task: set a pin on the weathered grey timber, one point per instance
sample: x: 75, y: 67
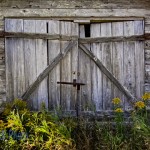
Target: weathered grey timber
x: 96, y: 76
x: 102, y: 4
x: 80, y: 11
x: 108, y: 73
x: 107, y: 61
x: 117, y: 57
x: 41, y: 54
x: 139, y: 55
x: 66, y: 29
x: 78, y: 63
x: 54, y: 49
x: 15, y: 59
x: 112, y: 39
x: 85, y: 76
x: 46, y: 71
x: 77, y: 13
x: 39, y: 36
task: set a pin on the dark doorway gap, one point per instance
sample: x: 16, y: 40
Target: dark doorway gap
x: 87, y: 28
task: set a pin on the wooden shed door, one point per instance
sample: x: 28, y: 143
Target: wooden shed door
x: 27, y: 58
x: 124, y: 59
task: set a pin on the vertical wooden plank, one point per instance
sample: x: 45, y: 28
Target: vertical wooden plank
x: 96, y: 74
x: 129, y: 61
x: 8, y: 58
x: 74, y: 66
x: 85, y: 76
x: 41, y: 62
x: 15, y: 77
x: 54, y: 76
x: 139, y: 59
x: 117, y: 57
x: 65, y: 29
x: 30, y: 60
x: 107, y: 61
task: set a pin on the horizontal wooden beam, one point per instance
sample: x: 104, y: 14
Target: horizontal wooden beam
x: 105, y: 13
x: 115, y: 39
x: 131, y: 98
x: 40, y: 78
x: 37, y: 36
x: 81, y: 40
x: 80, y: 19
x: 85, y: 21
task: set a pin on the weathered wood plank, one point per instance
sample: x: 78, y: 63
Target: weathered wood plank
x: 30, y: 62
x: 129, y: 61
x: 40, y: 78
x: 65, y: 37
x: 117, y: 58
x: 131, y: 98
x: 147, y: 20
x: 147, y: 44
x: 66, y: 13
x: 20, y: 74
x: 139, y: 59
x: 41, y: 62
x: 2, y: 41
x: 147, y: 54
x: 107, y: 61
x: 147, y: 73
x: 51, y: 4
x: 147, y: 27
x: 85, y: 76
x: 2, y: 62
x: 37, y: 36
x: 8, y: 53
x: 147, y: 87
x: 96, y: 74
x: 2, y: 56
x: 54, y: 75
x: 15, y: 58
x: 74, y: 66
x: 117, y: 38
x: 2, y: 72
x: 86, y: 21
x: 65, y: 29
x: 2, y: 83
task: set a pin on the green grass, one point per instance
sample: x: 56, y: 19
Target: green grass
x: 22, y: 129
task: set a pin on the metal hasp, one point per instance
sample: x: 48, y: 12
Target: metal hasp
x: 75, y: 84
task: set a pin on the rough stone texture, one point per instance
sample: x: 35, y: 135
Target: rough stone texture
x: 2, y: 66
x: 75, y: 4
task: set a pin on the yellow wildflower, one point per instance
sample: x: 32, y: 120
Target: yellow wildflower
x: 119, y: 110
x: 140, y: 104
x: 146, y: 96
x: 116, y: 101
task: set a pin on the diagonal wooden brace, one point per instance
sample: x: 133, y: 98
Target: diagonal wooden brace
x: 131, y: 98
x: 40, y: 78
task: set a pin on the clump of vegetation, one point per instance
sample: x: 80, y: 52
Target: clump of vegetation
x: 21, y: 129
